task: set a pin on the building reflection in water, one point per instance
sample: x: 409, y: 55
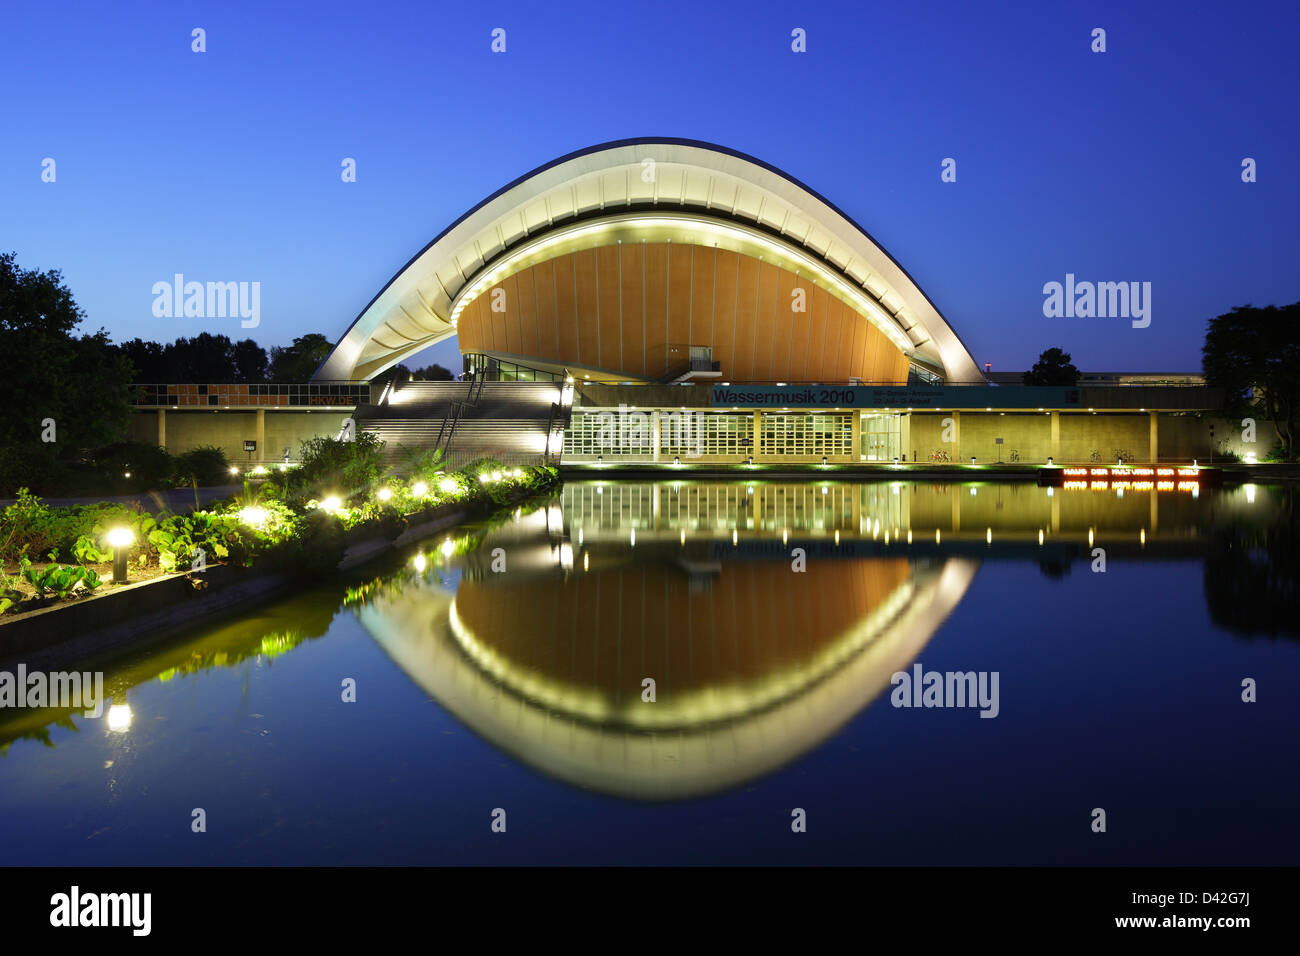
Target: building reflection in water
x: 691, y: 585
x: 753, y: 664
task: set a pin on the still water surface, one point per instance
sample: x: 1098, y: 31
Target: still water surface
x: 524, y: 690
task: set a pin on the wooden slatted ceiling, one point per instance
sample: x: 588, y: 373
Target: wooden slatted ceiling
x: 619, y: 307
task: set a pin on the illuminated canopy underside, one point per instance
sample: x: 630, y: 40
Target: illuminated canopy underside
x: 647, y: 191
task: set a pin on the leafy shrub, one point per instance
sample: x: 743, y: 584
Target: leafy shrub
x: 87, y: 551
x: 24, y: 523
x: 30, y: 524
x: 316, y: 549
x: 134, y: 466
x: 391, y: 522
x: 333, y: 466
x: 422, y: 464
x: 180, y: 538
x: 204, y: 466
x: 1277, y: 452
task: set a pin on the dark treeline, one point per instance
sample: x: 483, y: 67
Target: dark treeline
x: 215, y: 358
x: 208, y: 358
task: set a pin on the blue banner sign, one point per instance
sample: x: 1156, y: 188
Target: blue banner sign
x: 973, y: 397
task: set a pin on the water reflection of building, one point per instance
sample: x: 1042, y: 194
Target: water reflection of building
x: 886, y: 517
x: 690, y: 584
x: 753, y: 664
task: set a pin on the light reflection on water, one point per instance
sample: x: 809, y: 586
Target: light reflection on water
x: 538, y: 634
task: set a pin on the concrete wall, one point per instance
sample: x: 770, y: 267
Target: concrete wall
x: 229, y: 429
x: 1181, y: 436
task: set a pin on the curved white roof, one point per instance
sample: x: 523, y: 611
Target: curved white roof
x: 695, y: 182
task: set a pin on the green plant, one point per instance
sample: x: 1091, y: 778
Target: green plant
x: 333, y: 466
x: 135, y: 466
x: 180, y: 538
x: 87, y: 551
x: 421, y: 464
x: 56, y: 579
x: 21, y: 522
x: 316, y: 549
x: 1277, y: 452
x: 204, y: 466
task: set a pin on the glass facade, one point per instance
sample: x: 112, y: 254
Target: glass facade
x: 807, y: 435
x: 499, y: 371
x: 881, y: 437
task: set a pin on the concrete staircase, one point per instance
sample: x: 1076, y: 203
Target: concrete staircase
x: 508, y: 421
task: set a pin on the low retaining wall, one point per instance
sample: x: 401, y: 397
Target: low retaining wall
x: 69, y: 632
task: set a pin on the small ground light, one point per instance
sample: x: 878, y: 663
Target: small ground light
x: 126, y: 474
x: 331, y: 504
x: 676, y: 461
x: 1049, y: 459
x: 600, y: 459
x: 120, y: 540
x: 254, y: 516
x: 234, y: 470
x: 419, y: 489
x: 384, y: 494
x: 823, y: 461
x: 972, y: 459
x: 448, y: 548
x: 496, y: 476
x: 749, y: 460
x: 448, y: 486
x: 421, y: 563
x: 518, y: 473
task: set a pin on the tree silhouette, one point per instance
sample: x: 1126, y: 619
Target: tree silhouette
x: 1052, y: 368
x: 1254, y: 356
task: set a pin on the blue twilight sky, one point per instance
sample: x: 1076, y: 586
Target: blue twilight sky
x: 225, y: 165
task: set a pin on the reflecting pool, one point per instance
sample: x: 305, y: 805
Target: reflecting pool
x: 667, y: 672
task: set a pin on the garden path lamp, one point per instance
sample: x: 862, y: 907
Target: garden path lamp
x: 120, y: 540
